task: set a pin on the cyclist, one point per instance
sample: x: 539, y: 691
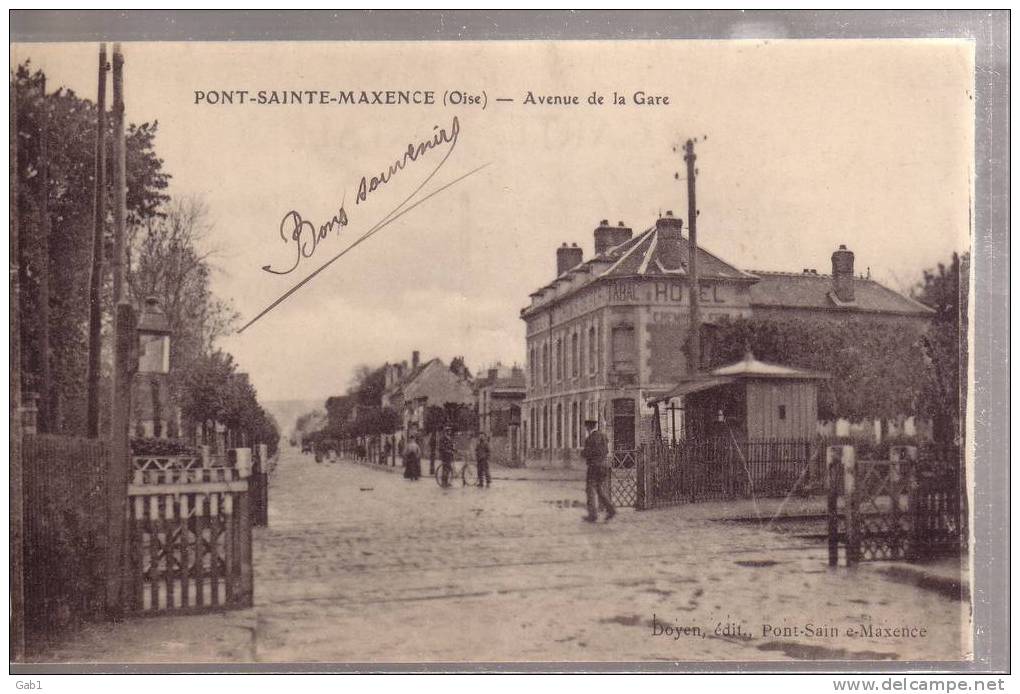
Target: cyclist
x: 446, y: 453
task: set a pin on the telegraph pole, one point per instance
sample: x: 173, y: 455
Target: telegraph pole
x: 694, y: 340
x: 119, y: 175
x: 125, y: 359
x: 98, y: 235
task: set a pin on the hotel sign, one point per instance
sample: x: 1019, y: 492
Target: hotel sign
x: 662, y: 292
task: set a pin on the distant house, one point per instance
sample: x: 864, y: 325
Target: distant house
x: 498, y: 399
x: 409, y: 390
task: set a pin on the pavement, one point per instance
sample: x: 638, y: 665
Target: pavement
x: 361, y: 566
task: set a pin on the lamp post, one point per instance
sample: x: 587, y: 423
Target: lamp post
x: 154, y: 356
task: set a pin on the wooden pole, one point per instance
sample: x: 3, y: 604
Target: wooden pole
x: 46, y: 414
x: 692, y: 266
x: 119, y: 176
x: 833, y: 508
x: 125, y: 340
x: 96, y: 276
x: 16, y: 530
x: 124, y: 366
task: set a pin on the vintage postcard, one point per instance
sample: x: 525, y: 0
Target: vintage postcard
x: 480, y: 352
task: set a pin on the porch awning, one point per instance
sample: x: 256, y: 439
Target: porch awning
x: 694, y: 385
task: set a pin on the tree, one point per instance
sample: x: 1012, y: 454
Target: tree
x: 338, y: 412
x: 946, y: 290
x: 435, y: 419
x: 876, y: 367
x: 205, y: 390
x: 67, y: 258
x: 165, y: 260
x: 459, y: 416
x: 388, y: 421
x: 367, y: 385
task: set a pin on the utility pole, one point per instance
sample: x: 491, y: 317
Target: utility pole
x: 46, y: 409
x: 125, y: 361
x: 694, y: 340
x: 98, y: 236
x: 119, y: 176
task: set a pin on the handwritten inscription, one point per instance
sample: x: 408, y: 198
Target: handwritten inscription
x: 307, y: 237
x: 411, y: 154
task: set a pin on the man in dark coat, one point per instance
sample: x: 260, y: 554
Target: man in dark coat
x: 482, y: 455
x: 596, y: 452
x: 447, y: 451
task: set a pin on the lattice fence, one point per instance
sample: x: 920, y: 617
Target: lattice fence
x: 900, y: 510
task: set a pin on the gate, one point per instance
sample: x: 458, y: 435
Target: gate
x: 189, y: 534
x: 623, y: 477
x: 900, y: 510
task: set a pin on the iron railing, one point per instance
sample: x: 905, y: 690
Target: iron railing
x: 723, y: 468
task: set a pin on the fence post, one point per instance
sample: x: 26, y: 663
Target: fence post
x: 833, y: 512
x: 641, y: 491
x: 849, y: 460
x: 244, y: 523
x: 125, y: 363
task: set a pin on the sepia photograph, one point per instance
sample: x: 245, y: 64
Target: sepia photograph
x: 399, y: 354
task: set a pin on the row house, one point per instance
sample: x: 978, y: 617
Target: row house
x: 498, y: 398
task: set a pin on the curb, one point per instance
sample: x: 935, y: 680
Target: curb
x: 952, y: 588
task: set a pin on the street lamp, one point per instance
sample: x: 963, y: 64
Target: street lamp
x: 154, y: 357
x: 153, y: 339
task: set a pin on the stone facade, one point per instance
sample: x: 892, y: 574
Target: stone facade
x: 610, y: 333
x: 498, y: 398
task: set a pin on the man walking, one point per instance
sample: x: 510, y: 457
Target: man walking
x: 482, y: 454
x: 596, y: 452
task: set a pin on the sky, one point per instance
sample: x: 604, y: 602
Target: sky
x: 803, y: 145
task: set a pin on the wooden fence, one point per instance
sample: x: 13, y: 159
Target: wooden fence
x: 189, y: 533
x: 66, y: 529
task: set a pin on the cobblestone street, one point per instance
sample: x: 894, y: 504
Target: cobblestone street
x: 361, y: 565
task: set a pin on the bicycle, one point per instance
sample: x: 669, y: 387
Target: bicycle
x: 445, y: 474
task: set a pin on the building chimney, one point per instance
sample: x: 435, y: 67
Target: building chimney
x: 415, y: 357
x: 668, y: 244
x: 568, y: 257
x: 843, y: 274
x: 607, y: 236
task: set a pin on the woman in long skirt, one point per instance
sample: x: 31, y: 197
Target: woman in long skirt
x: 412, y: 459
